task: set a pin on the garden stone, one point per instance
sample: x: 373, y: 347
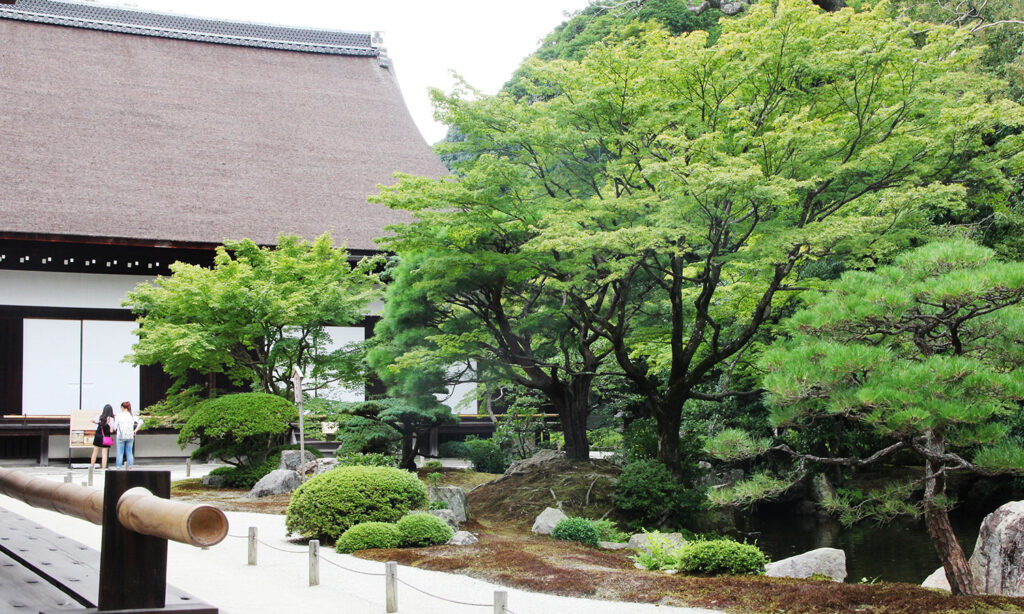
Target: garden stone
x: 998, y: 560
x: 937, y: 580
x: 541, y: 457
x: 821, y: 488
x: 454, y: 497
x: 215, y: 481
x: 274, y: 483
x: 546, y: 521
x: 463, y: 538
x: 323, y: 465
x: 290, y: 459
x: 829, y: 562
x: 642, y: 541
x: 613, y: 545
x: 447, y: 516
x: 732, y: 8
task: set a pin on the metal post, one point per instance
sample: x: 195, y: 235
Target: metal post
x: 500, y: 602
x: 90, y: 471
x: 314, y: 562
x: 68, y: 478
x: 391, y: 587
x: 188, y: 467
x: 252, y: 545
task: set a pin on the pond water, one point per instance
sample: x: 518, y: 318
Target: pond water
x: 897, y: 552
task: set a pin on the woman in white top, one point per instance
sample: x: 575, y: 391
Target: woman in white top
x: 126, y: 425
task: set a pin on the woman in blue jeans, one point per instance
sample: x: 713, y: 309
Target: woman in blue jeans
x: 127, y: 425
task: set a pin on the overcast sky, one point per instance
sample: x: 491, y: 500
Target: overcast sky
x: 482, y: 40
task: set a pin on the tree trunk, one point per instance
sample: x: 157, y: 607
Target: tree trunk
x: 961, y: 580
x: 668, y: 441
x: 408, y: 453
x: 572, y: 402
x: 936, y: 519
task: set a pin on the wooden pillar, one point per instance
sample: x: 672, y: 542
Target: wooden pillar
x: 133, y: 567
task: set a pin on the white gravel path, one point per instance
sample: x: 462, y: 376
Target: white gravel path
x: 279, y: 584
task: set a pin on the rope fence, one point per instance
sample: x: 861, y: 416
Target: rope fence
x: 390, y: 575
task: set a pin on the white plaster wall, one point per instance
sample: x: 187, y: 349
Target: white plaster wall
x: 83, y: 290
x: 147, y: 445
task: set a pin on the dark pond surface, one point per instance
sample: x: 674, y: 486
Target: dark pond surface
x: 897, y: 552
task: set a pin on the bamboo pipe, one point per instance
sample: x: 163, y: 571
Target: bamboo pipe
x: 200, y: 525
x: 70, y: 499
x: 138, y: 509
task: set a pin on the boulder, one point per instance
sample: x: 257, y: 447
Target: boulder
x: 998, y: 560
x: 613, y: 545
x: 454, y: 497
x: 698, y: 8
x: 274, y: 483
x: 215, y: 481
x: 323, y: 465
x: 642, y: 541
x: 829, y: 562
x: 732, y: 8
x: 937, y: 580
x: 290, y: 459
x: 546, y: 521
x: 541, y: 457
x: 447, y: 516
x: 463, y: 538
x: 821, y: 488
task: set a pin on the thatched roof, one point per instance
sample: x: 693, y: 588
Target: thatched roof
x: 126, y: 125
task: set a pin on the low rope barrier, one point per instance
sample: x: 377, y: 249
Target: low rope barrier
x: 390, y: 575
x: 473, y: 605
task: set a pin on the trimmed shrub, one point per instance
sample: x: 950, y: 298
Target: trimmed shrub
x: 486, y: 456
x: 369, y: 459
x: 609, y: 532
x: 452, y: 449
x: 647, y: 495
x: 576, y: 530
x: 434, y: 464
x: 367, y: 535
x: 329, y: 504
x: 239, y: 429
x: 423, y: 530
x: 721, y: 557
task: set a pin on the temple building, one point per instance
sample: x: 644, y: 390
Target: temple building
x: 130, y: 140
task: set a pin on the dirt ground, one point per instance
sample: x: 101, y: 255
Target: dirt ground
x: 509, y: 554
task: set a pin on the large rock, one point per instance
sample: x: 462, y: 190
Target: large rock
x: 274, y: 483
x: 828, y: 562
x: 937, y: 580
x: 541, y: 457
x: 642, y: 541
x: 821, y: 488
x: 290, y: 459
x: 998, y: 560
x: 454, y: 497
x: 732, y: 8
x: 463, y: 538
x: 215, y: 481
x: 546, y: 521
x: 448, y: 516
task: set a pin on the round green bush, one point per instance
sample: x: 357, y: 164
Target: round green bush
x: 240, y: 429
x: 647, y: 495
x: 366, y: 535
x: 577, y: 530
x: 486, y: 456
x: 452, y: 449
x: 328, y: 504
x: 423, y: 530
x: 721, y: 557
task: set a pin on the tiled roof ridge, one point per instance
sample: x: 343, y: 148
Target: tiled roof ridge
x: 165, y: 25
